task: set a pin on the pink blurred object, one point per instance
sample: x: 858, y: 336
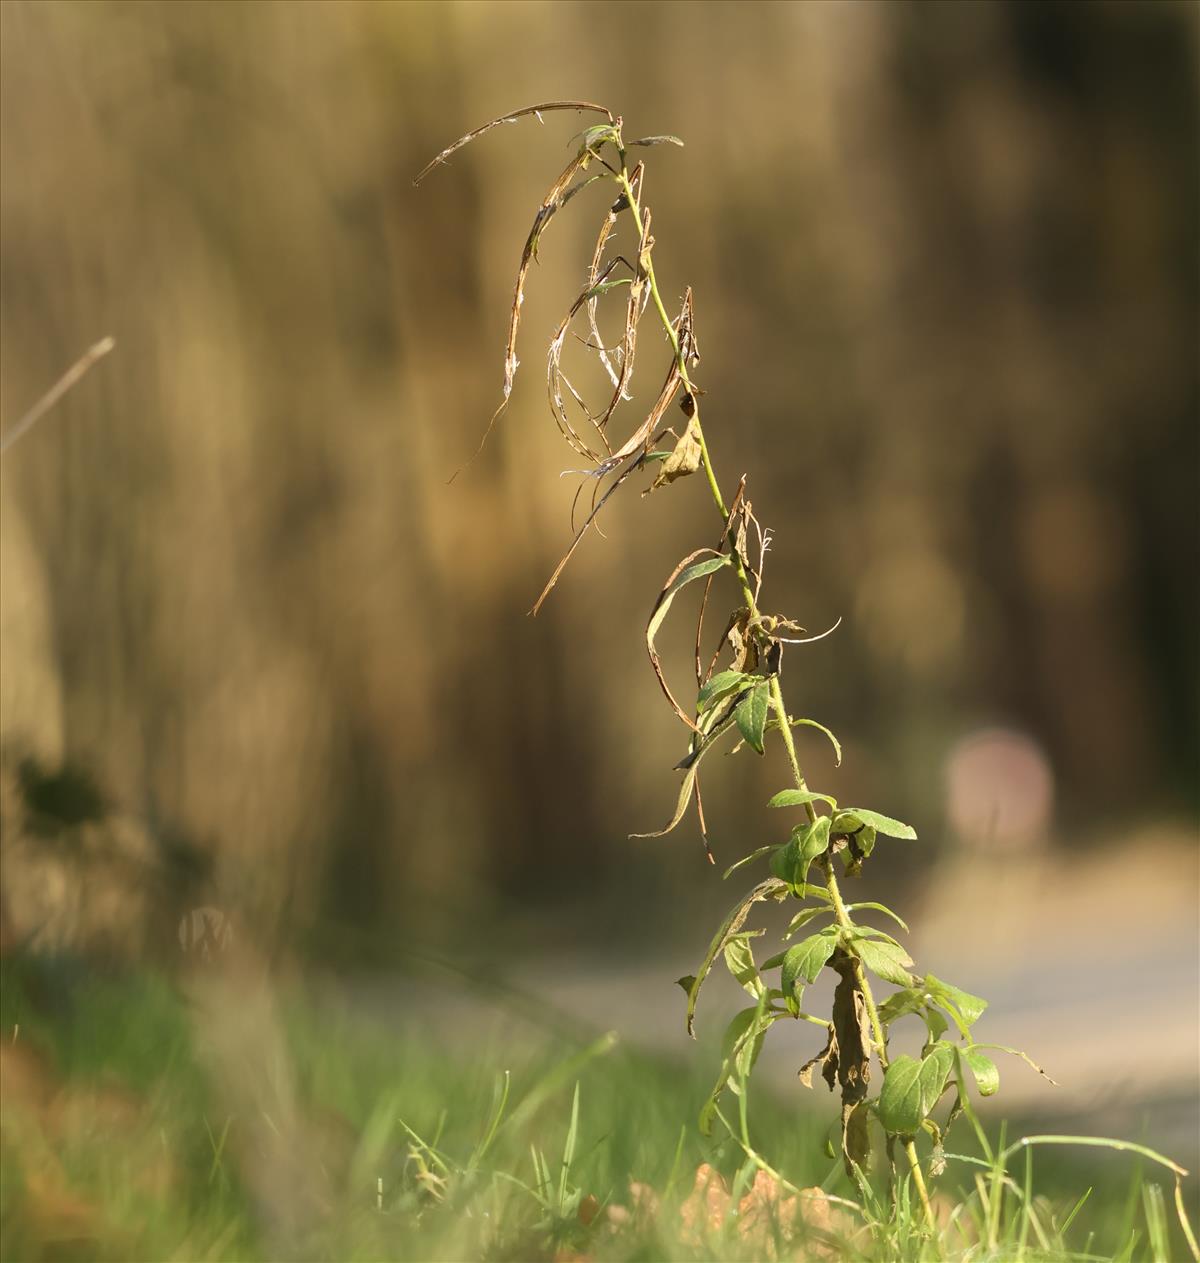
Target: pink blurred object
x: 999, y: 790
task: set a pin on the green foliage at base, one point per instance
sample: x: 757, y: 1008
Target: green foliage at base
x: 407, y: 1142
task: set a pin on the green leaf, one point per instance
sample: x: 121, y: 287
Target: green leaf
x: 793, y: 722
x: 749, y: 859
x: 803, y: 917
x: 878, y: 907
x: 799, y: 797
x: 935, y: 1023
x: 900, y: 1100
x: 857, y: 850
x: 690, y: 766
x: 913, y: 1000
x: 687, y: 571
x: 804, y: 891
x: 964, y: 1008
x: 910, y: 1000
x: 595, y: 133
x: 813, y: 840
x: 739, y: 959
x: 806, y: 959
x: 864, y: 840
x: 791, y: 862
x: 689, y: 574
x: 603, y: 287
x: 871, y: 931
x: 740, y: 1047
x: 751, y: 715
x: 885, y: 959
x: 785, y: 860
x: 812, y: 723
x: 721, y: 685
x: 1025, y: 1057
x: 911, y: 1088
x: 769, y: 889
x: 748, y: 1048
x: 987, y: 1076
x: 793, y: 990
x: 654, y: 140
x: 852, y: 817
x: 935, y: 1070
x: 739, y: 1026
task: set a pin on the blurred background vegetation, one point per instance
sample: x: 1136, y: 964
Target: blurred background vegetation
x: 259, y: 656
x: 945, y: 266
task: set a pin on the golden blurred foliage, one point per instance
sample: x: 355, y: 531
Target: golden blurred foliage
x: 944, y: 259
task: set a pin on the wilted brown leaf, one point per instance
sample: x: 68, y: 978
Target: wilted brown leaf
x: 704, y: 1211
x: 827, y: 1059
x: 556, y: 379
x: 557, y: 196
x: 853, y: 1033
x: 684, y: 460
x: 846, y: 1059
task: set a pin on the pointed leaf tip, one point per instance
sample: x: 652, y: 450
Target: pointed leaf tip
x: 751, y: 715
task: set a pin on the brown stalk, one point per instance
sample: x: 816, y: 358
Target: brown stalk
x: 56, y: 392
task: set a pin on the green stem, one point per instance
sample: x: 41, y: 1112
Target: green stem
x: 777, y: 703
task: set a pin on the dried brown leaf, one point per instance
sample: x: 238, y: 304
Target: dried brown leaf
x: 827, y: 1059
x: 768, y: 1220
x: 644, y: 436
x: 853, y: 1033
x: 556, y: 379
x: 557, y: 196
x: 545, y: 108
x: 633, y: 312
x: 703, y: 1213
x: 683, y: 460
x: 606, y: 231
x: 742, y: 647
x: 856, y: 1137
x: 701, y: 675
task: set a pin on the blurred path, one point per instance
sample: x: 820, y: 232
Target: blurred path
x: 1090, y: 965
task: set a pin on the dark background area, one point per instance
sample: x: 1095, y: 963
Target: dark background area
x: 944, y: 259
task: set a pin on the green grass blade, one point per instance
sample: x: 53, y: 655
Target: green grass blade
x: 568, y: 1151
x: 1097, y: 1142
